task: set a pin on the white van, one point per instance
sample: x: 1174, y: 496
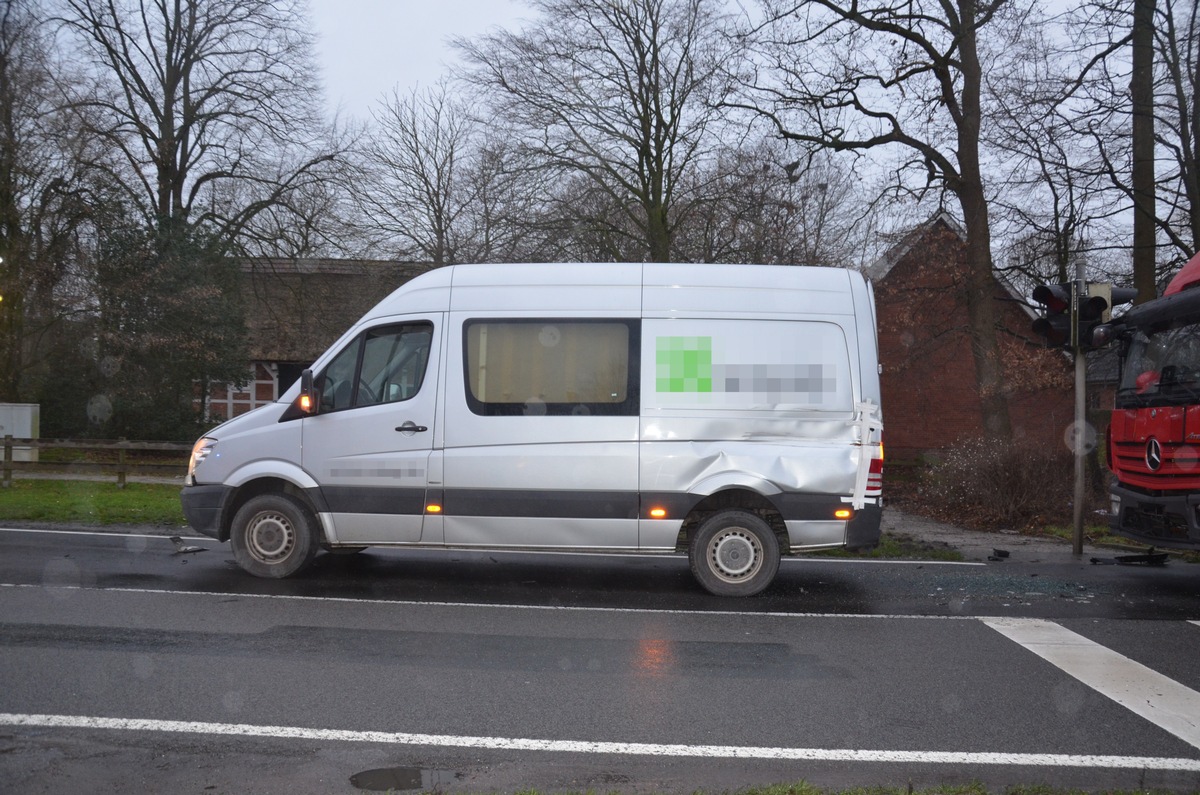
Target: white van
x: 730, y: 411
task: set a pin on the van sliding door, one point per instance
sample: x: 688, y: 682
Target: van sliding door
x: 541, y: 432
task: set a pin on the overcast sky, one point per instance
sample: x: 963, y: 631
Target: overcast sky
x: 367, y: 47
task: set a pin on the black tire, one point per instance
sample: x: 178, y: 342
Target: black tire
x: 734, y: 553
x: 273, y: 536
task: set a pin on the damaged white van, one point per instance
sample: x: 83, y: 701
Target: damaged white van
x: 731, y: 412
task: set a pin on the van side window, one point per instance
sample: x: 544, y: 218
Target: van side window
x: 382, y: 365
x: 552, y: 367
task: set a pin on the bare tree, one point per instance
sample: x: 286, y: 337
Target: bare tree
x: 434, y: 186
x: 1042, y: 201
x: 758, y: 208
x: 1177, y: 122
x: 414, y: 169
x: 204, y: 120
x: 1141, y: 171
x: 1106, y: 103
x: 46, y: 199
x: 1051, y: 207
x: 858, y: 76
x: 212, y: 106
x: 624, y: 92
x: 579, y: 223
x: 507, y: 207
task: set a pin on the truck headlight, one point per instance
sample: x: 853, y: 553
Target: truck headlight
x: 200, y: 451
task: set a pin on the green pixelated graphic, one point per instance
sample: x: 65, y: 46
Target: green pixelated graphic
x: 683, y: 364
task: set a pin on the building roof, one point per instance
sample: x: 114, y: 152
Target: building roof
x: 878, y: 270
x: 296, y: 308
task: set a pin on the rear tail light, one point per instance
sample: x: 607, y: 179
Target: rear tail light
x: 875, y: 474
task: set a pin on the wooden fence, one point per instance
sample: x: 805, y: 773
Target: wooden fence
x: 100, y: 457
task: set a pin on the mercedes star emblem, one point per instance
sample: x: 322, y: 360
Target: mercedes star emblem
x: 1153, y: 455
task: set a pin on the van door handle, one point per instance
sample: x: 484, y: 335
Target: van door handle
x: 411, y: 427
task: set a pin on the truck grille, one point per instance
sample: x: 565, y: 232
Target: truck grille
x: 1179, y: 470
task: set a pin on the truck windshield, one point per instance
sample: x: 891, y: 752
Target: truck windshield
x: 1162, y: 368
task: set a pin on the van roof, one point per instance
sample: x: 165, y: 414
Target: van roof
x: 652, y: 288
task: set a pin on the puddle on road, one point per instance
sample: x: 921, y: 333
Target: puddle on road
x: 402, y: 778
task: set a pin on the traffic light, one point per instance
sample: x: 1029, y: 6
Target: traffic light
x: 1122, y: 295
x: 1095, y: 313
x: 1055, y: 324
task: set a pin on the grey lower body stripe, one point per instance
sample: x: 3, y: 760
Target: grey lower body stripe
x: 546, y: 503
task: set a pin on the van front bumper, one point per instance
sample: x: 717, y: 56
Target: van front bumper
x: 203, y: 507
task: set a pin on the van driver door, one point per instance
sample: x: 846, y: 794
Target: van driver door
x: 369, y: 444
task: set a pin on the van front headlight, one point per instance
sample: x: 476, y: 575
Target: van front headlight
x: 200, y: 451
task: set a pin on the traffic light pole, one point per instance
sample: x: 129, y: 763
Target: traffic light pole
x: 1076, y: 318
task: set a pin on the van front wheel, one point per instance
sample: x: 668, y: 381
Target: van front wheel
x: 273, y: 535
x: 734, y: 553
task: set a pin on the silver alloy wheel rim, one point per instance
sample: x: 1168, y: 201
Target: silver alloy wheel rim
x: 735, y: 555
x: 270, y: 537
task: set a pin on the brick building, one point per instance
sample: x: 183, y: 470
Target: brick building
x: 930, y: 393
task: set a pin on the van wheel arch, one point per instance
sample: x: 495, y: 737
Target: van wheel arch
x: 734, y: 499
x: 254, y: 488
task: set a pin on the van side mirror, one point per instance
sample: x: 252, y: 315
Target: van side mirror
x: 307, y: 401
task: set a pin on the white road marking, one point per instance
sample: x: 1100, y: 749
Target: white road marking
x: 482, y: 550
x: 1157, y: 698
x: 586, y: 747
x: 225, y: 595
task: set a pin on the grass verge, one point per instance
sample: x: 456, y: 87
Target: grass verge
x: 1099, y: 535
x: 1092, y: 534
x: 90, y: 502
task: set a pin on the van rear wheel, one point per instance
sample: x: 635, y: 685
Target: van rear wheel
x: 273, y: 535
x: 734, y: 553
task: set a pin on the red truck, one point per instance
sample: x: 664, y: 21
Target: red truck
x: 1154, y: 436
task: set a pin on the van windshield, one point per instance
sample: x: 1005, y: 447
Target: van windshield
x: 1162, y: 368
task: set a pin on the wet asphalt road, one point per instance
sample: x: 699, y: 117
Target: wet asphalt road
x: 486, y: 671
